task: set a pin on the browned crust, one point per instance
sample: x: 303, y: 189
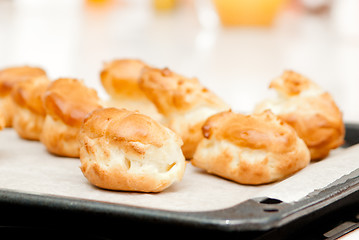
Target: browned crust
x: 120, y: 78
x: 316, y: 118
x: 28, y: 94
x: 70, y: 101
x: 171, y: 92
x: 322, y: 131
x: 123, y: 126
x: 10, y: 76
x: 252, y: 131
x: 291, y: 83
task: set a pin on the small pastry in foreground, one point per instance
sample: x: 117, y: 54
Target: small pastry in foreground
x: 311, y: 111
x: 67, y: 102
x: 29, y: 113
x: 250, y: 149
x: 8, y: 78
x: 120, y: 78
x: 184, y: 102
x: 129, y: 151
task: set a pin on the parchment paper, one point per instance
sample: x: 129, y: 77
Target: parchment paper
x: 26, y: 166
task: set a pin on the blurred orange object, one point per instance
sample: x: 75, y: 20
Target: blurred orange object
x: 247, y: 12
x: 164, y: 4
x: 97, y: 1
x: 101, y: 3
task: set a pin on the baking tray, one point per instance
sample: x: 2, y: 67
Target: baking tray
x: 254, y: 217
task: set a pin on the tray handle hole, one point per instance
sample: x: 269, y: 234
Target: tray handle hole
x: 270, y: 201
x: 270, y: 210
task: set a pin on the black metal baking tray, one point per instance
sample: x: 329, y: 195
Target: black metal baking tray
x: 254, y: 218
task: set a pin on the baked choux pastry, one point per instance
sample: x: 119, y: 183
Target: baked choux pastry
x: 2, y: 120
x: 129, y: 151
x: 8, y: 78
x: 250, y: 149
x: 311, y: 111
x: 120, y: 78
x: 29, y: 113
x: 184, y: 102
x: 67, y: 102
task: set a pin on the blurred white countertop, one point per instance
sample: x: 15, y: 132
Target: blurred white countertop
x: 73, y: 39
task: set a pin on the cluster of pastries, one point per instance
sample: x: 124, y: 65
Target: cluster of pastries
x: 268, y: 145
x: 155, y: 119
x: 119, y: 148
x: 9, y: 77
x: 49, y: 111
x: 178, y: 102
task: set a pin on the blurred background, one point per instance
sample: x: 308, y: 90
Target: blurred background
x: 234, y: 47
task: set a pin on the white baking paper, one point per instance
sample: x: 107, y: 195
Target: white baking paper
x: 26, y: 166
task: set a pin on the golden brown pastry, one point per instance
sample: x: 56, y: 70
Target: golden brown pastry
x: 29, y: 113
x: 67, y: 102
x: 311, y: 111
x: 250, y: 149
x: 184, y: 102
x: 2, y: 120
x: 120, y: 79
x: 125, y: 150
x: 8, y: 78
